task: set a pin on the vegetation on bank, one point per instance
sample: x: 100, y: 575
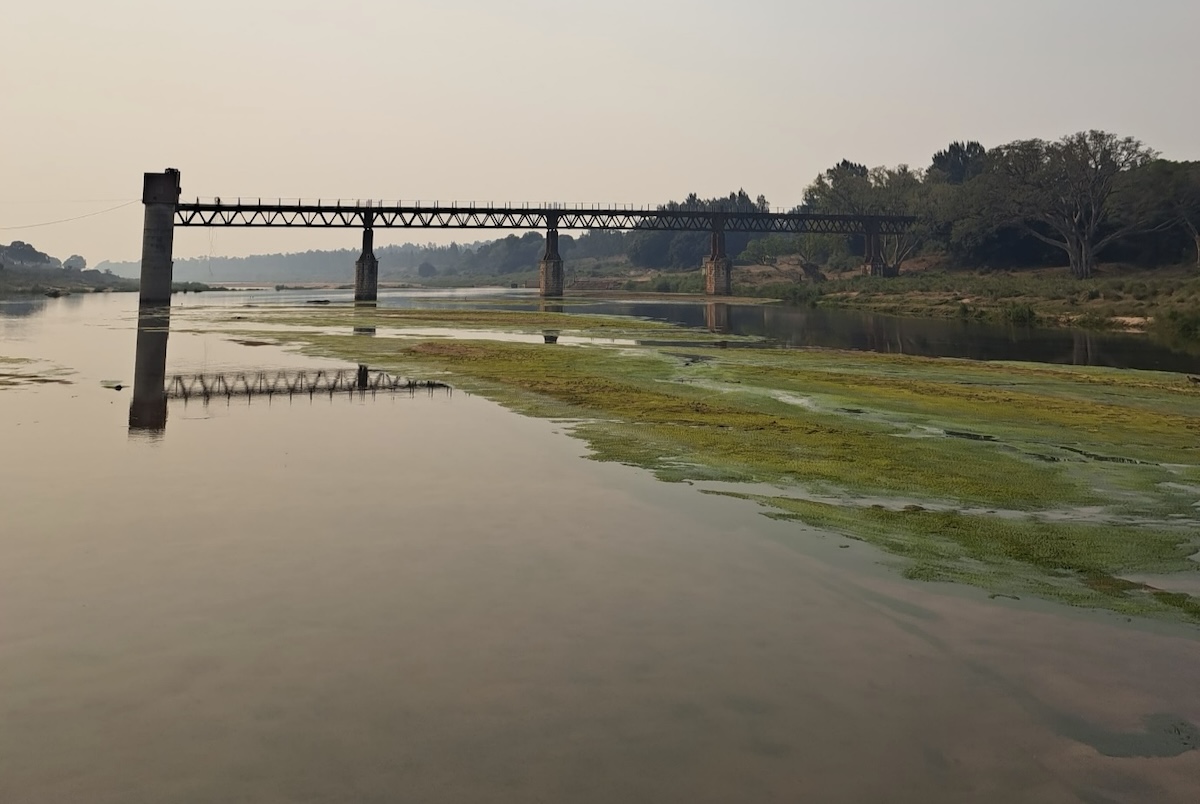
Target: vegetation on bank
x: 25, y: 270
x: 1159, y: 301
x: 1053, y: 481
x: 196, y: 287
x: 21, y: 281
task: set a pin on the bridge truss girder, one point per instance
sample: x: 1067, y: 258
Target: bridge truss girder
x: 359, y: 216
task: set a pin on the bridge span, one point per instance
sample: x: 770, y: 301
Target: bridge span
x: 164, y: 211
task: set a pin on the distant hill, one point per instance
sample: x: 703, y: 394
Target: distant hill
x: 310, y: 266
x: 24, y: 269
x: 495, y: 257
x: 22, y: 255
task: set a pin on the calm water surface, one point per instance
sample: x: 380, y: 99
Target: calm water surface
x: 428, y: 598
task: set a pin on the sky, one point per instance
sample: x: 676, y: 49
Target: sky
x: 623, y: 101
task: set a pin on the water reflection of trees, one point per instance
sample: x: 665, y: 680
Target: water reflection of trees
x: 23, y: 308
x: 862, y: 331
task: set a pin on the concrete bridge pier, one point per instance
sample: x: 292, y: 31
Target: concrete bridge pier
x: 550, y: 269
x: 366, y: 267
x: 160, y: 196
x: 718, y: 270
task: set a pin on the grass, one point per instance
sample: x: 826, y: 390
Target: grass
x: 967, y: 447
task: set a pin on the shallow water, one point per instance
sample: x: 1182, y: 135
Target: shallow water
x: 428, y: 598
x: 784, y: 325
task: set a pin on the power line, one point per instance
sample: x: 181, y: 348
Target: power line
x: 69, y: 220
x: 23, y: 202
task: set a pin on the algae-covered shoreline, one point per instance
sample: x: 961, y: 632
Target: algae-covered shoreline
x: 1017, y: 478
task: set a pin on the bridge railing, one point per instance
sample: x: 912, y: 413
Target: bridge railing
x: 426, y: 204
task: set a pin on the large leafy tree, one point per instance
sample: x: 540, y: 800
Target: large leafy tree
x: 959, y: 163
x: 1078, y: 194
x: 685, y: 250
x: 845, y: 188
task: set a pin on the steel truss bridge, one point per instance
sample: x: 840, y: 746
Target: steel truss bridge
x: 400, y: 215
x: 291, y: 384
x: 165, y: 210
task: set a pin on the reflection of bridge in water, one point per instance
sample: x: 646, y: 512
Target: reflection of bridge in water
x: 270, y: 384
x: 153, y: 390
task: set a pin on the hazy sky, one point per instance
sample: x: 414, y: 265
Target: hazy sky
x: 631, y: 101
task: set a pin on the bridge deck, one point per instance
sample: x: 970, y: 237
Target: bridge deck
x: 362, y: 215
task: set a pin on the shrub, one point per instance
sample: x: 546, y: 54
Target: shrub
x: 1020, y: 314
x: 1180, y: 326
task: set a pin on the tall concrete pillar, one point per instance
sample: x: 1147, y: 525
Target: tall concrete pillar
x: 366, y: 268
x: 718, y: 270
x: 148, y: 410
x: 550, y: 269
x: 160, y: 196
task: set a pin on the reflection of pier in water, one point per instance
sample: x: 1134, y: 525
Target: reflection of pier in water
x: 152, y: 390
x: 271, y: 384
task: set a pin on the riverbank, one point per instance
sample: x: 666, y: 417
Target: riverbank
x: 56, y: 287
x: 1071, y: 484
x: 1114, y: 299
x: 1162, y: 302
x: 21, y: 281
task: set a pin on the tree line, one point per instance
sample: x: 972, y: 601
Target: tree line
x: 1028, y: 203
x: 1032, y: 202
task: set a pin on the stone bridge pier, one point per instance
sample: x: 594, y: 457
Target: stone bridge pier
x: 550, y: 269
x: 718, y: 270
x: 366, y: 267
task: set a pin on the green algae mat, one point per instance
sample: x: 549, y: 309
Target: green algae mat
x: 1022, y: 479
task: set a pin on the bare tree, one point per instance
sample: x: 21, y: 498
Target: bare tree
x: 903, y: 191
x: 1073, y: 194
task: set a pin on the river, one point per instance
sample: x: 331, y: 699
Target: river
x: 425, y: 597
